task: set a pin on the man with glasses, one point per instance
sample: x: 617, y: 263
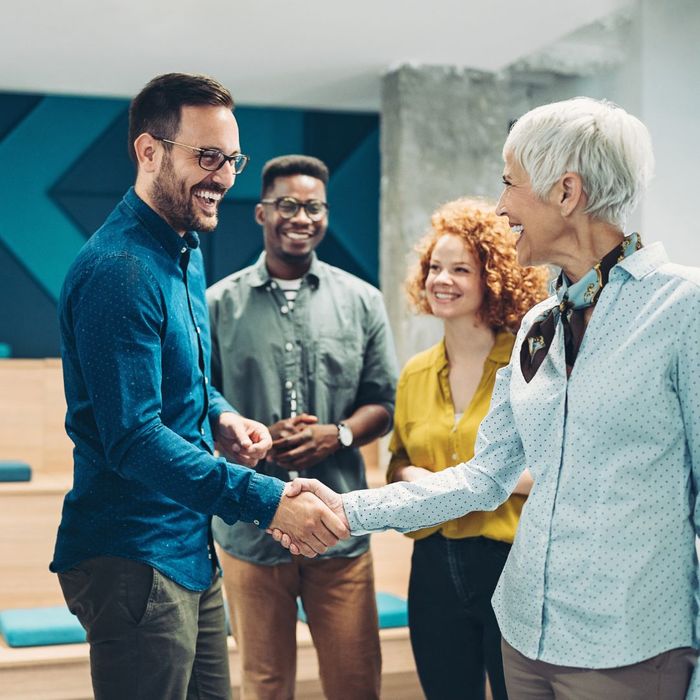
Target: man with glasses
x: 134, y: 554
x: 305, y: 348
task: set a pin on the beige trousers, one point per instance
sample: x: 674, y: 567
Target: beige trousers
x: 338, y: 597
x: 663, y: 677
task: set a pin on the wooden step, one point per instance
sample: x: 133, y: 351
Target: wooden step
x: 63, y: 672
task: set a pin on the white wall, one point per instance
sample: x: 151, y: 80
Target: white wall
x: 659, y: 82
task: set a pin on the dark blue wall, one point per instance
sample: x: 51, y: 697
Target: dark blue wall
x: 65, y: 165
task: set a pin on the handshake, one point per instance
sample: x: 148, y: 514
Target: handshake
x: 310, y: 518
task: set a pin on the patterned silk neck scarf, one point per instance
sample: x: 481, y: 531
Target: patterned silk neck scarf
x: 573, y: 299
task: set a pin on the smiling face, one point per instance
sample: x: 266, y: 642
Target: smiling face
x: 289, y: 243
x: 454, y: 287
x: 537, y: 222
x: 183, y: 193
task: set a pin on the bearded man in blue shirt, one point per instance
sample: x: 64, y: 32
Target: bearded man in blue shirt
x: 134, y: 552
x: 601, y: 401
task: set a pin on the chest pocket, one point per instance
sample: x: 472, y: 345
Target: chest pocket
x: 339, y: 360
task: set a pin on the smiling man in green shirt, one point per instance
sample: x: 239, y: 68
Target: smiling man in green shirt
x: 305, y: 348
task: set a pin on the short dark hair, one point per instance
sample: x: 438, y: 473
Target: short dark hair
x: 157, y: 109
x: 284, y: 166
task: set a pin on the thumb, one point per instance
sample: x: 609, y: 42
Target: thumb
x: 335, y: 525
x: 241, y: 436
x: 293, y: 488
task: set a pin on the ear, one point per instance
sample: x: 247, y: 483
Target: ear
x: 259, y: 214
x: 148, y: 153
x: 570, y: 193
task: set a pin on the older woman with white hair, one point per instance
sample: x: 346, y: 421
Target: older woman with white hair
x: 601, y: 402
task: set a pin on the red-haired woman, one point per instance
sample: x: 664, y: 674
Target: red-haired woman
x: 468, y: 276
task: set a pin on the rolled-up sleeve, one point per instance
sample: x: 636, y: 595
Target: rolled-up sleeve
x: 379, y: 368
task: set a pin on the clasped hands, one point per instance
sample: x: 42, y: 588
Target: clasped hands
x: 309, y: 519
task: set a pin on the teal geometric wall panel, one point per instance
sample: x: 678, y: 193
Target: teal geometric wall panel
x: 35, y: 154
x: 66, y: 165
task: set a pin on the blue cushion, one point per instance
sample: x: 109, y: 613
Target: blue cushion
x: 392, y: 609
x: 12, y: 470
x: 31, y: 627
x: 5, y: 350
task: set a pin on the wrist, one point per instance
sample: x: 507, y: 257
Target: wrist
x: 344, y: 435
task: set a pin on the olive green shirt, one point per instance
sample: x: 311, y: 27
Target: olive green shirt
x: 329, y: 354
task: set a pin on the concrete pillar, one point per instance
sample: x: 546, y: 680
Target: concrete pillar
x: 442, y: 133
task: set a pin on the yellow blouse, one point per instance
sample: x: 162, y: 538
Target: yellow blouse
x: 425, y: 433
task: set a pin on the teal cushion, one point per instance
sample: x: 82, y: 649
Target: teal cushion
x: 12, y: 470
x: 5, y: 350
x: 33, y: 627
x: 392, y: 609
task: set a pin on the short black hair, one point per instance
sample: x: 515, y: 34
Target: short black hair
x: 157, y: 109
x: 295, y: 164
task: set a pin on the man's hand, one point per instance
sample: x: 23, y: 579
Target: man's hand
x: 304, y: 524
x: 242, y: 440
x: 296, y: 489
x: 309, y: 445
x: 288, y: 426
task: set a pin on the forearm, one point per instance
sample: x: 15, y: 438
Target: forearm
x: 167, y: 463
x: 524, y: 485
x: 407, y: 506
x: 368, y: 422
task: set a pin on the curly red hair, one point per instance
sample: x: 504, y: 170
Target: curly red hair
x: 509, y: 289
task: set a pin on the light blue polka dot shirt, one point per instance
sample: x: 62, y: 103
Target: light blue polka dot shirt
x: 603, y: 571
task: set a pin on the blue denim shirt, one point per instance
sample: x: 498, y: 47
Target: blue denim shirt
x: 135, y: 346
x: 603, y: 571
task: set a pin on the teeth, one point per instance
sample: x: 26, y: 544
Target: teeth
x: 517, y: 228
x: 443, y: 295
x: 208, y: 195
x: 295, y: 236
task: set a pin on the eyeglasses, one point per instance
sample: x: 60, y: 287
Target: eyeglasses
x: 212, y: 158
x: 288, y: 207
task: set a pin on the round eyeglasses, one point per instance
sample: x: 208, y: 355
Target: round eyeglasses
x: 213, y: 159
x: 288, y: 207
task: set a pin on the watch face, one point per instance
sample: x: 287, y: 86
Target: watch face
x: 344, y: 435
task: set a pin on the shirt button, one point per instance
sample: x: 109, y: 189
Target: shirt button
x: 288, y: 347
x: 273, y: 285
x: 293, y: 405
x: 199, y: 330
x: 183, y: 249
x: 206, y: 380
x: 454, y: 455
x: 288, y: 384
x: 293, y: 394
x: 256, y: 522
x: 201, y: 430
x: 284, y: 309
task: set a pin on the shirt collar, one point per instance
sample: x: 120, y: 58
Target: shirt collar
x: 500, y: 352
x: 644, y: 261
x: 260, y: 275
x: 159, y: 228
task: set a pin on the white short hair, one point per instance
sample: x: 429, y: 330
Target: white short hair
x: 609, y: 148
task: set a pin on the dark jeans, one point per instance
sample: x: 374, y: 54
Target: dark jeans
x: 454, y: 633
x: 149, y: 637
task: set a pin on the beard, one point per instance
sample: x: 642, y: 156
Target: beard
x: 176, y: 204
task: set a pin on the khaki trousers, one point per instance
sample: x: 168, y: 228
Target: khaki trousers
x: 663, y: 677
x: 338, y: 597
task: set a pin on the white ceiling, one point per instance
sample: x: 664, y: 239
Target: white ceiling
x: 311, y: 53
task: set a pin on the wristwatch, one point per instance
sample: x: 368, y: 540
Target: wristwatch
x: 344, y: 435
